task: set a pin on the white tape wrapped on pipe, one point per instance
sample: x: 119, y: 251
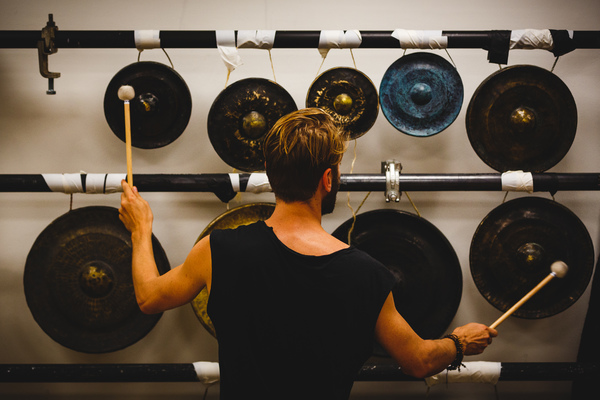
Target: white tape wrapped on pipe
x: 517, y: 181
x: 94, y: 183
x: 227, y: 49
x: 530, y: 39
x: 104, y: 183
x: 410, y: 39
x: 64, y: 183
x: 147, y: 39
x: 338, y: 39
x: 208, y: 372
x: 261, y: 39
x: 471, y: 372
x: 258, y: 183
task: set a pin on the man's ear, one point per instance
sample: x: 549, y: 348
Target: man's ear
x: 327, y: 180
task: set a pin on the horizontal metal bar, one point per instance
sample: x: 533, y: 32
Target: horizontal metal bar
x: 543, y: 371
x: 223, y: 187
x: 283, y: 39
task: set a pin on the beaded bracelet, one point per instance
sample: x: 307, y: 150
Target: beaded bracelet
x: 457, y: 363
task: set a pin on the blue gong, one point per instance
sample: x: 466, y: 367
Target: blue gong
x: 421, y: 94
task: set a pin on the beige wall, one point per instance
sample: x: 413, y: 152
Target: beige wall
x: 68, y: 133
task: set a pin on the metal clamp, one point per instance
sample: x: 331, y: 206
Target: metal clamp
x: 45, y: 48
x: 392, y: 180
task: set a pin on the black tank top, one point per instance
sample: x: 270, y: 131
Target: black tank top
x: 291, y: 326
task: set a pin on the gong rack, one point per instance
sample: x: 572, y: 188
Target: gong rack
x: 186, y: 372
x: 496, y: 42
x: 225, y: 186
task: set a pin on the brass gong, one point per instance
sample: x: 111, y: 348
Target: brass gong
x: 243, y: 215
x: 429, y: 278
x: 78, y: 283
x: 348, y: 96
x: 160, y: 110
x: 522, y: 117
x: 240, y: 117
x: 421, y: 94
x: 513, y: 248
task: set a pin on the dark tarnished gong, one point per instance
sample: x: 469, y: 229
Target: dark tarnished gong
x: 240, y: 117
x: 348, y: 96
x: 421, y: 94
x: 242, y: 215
x: 429, y: 278
x: 78, y: 283
x: 522, y: 118
x: 160, y: 110
x: 514, y: 247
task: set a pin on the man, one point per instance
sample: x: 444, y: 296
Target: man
x: 295, y: 310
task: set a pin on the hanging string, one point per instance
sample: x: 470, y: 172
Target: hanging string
x: 413, y: 204
x: 164, y: 51
x: 168, y: 58
x: 272, y: 68
x: 348, y: 197
x: 353, y: 60
x: 321, y: 66
x: 71, y: 203
x: 449, y: 56
x: 227, y: 79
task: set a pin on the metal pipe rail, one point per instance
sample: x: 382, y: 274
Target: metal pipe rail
x: 225, y: 186
x: 291, y: 39
x: 79, y: 373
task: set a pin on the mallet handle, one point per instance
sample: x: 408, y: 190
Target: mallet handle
x: 128, y: 143
x: 523, y: 300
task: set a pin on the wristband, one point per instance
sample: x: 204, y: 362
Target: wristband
x: 457, y: 363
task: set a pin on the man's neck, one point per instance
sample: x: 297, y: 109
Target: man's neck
x: 298, y: 226
x: 297, y: 214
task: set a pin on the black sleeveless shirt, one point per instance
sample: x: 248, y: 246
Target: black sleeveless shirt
x: 291, y: 326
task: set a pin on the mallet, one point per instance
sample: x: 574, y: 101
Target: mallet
x: 559, y: 270
x: 127, y: 93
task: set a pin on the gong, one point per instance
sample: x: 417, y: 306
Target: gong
x: 348, y: 96
x: 160, y: 110
x: 512, y: 251
x: 240, y: 117
x: 429, y: 278
x: 521, y: 118
x: 421, y: 94
x: 78, y: 283
x: 243, y: 215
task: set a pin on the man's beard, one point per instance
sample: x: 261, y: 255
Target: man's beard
x: 328, y: 203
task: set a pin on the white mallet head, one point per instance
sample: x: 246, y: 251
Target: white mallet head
x: 126, y: 93
x: 559, y: 268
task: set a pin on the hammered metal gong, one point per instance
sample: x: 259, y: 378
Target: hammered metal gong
x: 522, y: 117
x: 243, y: 215
x: 421, y: 94
x: 160, y: 110
x: 78, y: 283
x: 241, y: 116
x: 348, y: 96
x: 515, y: 245
x: 429, y: 278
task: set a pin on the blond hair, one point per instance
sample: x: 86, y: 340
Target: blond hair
x: 298, y: 149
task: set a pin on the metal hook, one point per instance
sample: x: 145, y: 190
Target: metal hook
x: 45, y: 48
x: 392, y: 180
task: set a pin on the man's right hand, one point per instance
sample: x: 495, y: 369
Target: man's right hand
x: 475, y: 337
